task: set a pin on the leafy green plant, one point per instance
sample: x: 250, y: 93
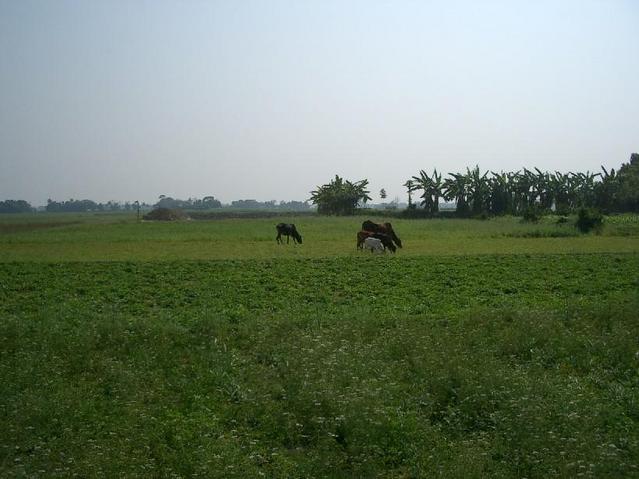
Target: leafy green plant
x: 532, y: 214
x: 589, y: 219
x: 340, y: 197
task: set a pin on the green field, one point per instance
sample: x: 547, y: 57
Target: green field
x: 118, y: 237
x: 202, y: 348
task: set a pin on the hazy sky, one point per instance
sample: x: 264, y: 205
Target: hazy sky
x: 127, y: 100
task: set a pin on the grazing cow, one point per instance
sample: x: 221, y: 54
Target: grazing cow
x: 374, y: 244
x: 385, y: 228
x: 287, y: 230
x: 386, y: 240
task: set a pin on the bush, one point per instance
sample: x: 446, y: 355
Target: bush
x: 589, y: 219
x: 532, y: 214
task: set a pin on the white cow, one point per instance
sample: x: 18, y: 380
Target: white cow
x: 374, y: 244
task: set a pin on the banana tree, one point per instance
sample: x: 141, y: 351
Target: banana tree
x: 340, y: 197
x: 457, y: 189
x: 606, y: 190
x: 522, y: 185
x: 542, y: 188
x: 500, y: 194
x: 586, y: 188
x: 562, y: 188
x: 478, y: 191
x: 432, y: 189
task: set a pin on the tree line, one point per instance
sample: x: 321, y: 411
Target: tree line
x: 192, y: 204
x: 22, y: 206
x: 15, y: 206
x: 476, y: 192
x: 209, y: 202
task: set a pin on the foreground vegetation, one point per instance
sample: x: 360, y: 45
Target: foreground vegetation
x: 315, y: 361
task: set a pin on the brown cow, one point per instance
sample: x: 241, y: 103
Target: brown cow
x: 384, y: 228
x: 384, y: 238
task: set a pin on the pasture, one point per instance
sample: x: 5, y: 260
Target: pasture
x: 202, y: 348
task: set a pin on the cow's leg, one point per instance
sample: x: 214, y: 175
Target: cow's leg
x: 278, y: 238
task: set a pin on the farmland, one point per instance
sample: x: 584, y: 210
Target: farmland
x: 201, y: 348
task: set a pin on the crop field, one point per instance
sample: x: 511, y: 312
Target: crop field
x: 481, y: 349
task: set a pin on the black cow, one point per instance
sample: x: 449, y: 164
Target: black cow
x: 384, y: 228
x: 287, y: 230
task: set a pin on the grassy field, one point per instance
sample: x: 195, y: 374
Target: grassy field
x: 481, y: 349
x: 118, y: 237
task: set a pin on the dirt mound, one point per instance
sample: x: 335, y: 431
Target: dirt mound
x: 165, y: 214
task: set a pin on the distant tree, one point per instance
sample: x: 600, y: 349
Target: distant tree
x: 562, y: 192
x: 382, y: 194
x: 294, y: 205
x: 169, y: 203
x: 628, y: 193
x: 15, y: 206
x: 209, y: 202
x: 410, y: 187
x: 72, y: 206
x: 432, y: 189
x: 523, y: 192
x: 478, y: 191
x: 340, y: 197
x: 607, y: 191
x: 457, y: 189
x: 247, y: 204
x: 500, y: 194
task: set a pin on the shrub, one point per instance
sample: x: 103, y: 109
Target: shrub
x: 532, y: 214
x: 589, y: 219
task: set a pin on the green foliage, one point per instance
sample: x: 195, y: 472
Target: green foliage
x: 628, y: 177
x: 316, y: 361
x: 83, y: 206
x: 589, y: 219
x: 206, y: 203
x: 15, y: 206
x: 290, y: 368
x: 71, y: 205
x: 532, y: 214
x: 340, y: 197
x: 515, y: 193
x: 457, y: 189
x: 432, y: 189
